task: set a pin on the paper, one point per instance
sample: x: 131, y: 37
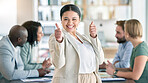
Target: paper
x: 106, y: 77
x: 50, y: 74
x: 36, y: 80
x: 112, y: 79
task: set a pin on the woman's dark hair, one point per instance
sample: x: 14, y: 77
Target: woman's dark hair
x: 32, y: 28
x: 70, y: 7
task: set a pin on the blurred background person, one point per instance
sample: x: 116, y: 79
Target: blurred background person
x: 122, y: 57
x: 11, y: 65
x: 28, y: 53
x: 138, y: 70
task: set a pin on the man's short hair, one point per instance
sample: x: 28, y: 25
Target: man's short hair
x: 121, y: 23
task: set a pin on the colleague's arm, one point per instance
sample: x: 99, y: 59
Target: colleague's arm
x: 135, y: 74
x: 115, y: 62
x: 125, y: 61
x: 8, y: 67
x: 116, y: 58
x: 125, y: 69
x: 139, y: 65
x: 26, y: 58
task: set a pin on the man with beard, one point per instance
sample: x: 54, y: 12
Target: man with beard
x: 11, y: 66
x: 122, y: 57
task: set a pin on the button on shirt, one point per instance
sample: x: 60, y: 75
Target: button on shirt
x: 87, y: 57
x: 123, y: 55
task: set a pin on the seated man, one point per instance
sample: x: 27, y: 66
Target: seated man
x: 122, y: 57
x: 11, y: 66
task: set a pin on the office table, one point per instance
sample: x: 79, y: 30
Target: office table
x: 19, y: 81
x: 50, y: 77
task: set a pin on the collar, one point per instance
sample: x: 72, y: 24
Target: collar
x: 124, y: 44
x: 11, y: 43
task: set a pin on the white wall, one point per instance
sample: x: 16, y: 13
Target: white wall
x: 7, y: 15
x: 139, y: 13
x: 14, y: 12
x: 108, y: 27
x: 25, y: 11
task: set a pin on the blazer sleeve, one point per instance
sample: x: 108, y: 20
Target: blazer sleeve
x: 9, y: 70
x: 97, y: 45
x: 56, y: 50
x: 26, y: 58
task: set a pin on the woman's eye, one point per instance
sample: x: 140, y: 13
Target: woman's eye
x: 65, y: 19
x: 74, y: 19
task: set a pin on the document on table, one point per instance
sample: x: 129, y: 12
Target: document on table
x: 50, y: 74
x: 106, y: 77
x: 36, y: 80
x: 112, y: 79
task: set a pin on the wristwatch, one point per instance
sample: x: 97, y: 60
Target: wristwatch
x: 115, y: 72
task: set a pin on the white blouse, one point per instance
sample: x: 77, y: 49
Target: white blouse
x: 87, y: 57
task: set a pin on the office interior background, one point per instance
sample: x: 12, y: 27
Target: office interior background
x: 104, y: 13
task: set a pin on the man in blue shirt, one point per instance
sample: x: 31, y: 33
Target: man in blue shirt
x: 122, y: 57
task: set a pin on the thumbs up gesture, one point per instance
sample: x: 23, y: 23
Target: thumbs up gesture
x: 92, y: 30
x: 58, y: 34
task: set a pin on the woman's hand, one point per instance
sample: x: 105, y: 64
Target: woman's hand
x: 92, y: 30
x: 58, y: 34
x: 46, y: 63
x: 110, y: 68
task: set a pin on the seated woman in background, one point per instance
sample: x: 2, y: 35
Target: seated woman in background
x: 34, y: 36
x: 138, y: 70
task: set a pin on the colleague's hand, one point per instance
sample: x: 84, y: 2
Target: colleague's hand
x: 92, y: 30
x: 43, y: 72
x: 102, y: 66
x: 58, y: 34
x: 46, y: 63
x: 110, y: 68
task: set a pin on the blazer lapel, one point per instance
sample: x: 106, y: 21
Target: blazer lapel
x: 84, y: 38
x: 71, y: 40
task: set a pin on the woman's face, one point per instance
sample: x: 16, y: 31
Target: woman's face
x: 39, y: 33
x: 70, y: 21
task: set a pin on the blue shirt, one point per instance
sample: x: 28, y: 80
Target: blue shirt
x: 123, y: 55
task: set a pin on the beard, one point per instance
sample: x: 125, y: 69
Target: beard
x: 121, y: 40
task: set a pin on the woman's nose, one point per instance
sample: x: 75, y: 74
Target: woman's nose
x: 70, y: 22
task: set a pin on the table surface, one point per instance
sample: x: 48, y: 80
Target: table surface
x: 50, y: 77
x: 19, y: 81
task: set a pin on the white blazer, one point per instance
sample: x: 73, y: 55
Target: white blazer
x: 65, y: 57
